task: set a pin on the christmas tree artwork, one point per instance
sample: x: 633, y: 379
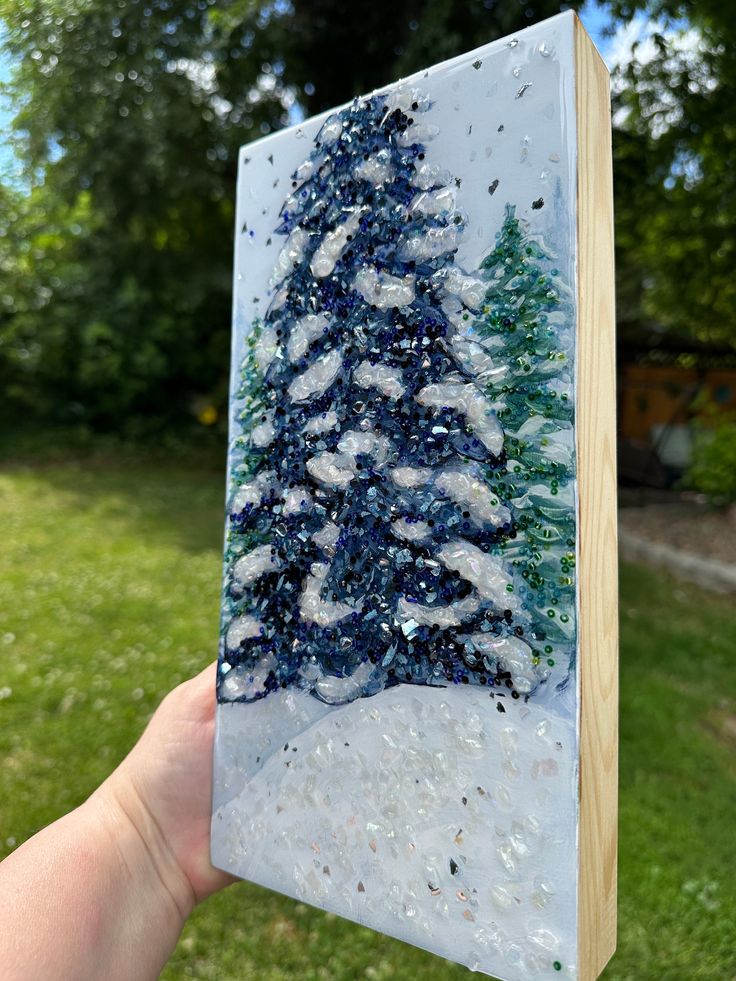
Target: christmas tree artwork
x: 368, y: 543
x: 416, y: 679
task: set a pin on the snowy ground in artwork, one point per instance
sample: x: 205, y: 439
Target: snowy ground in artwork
x: 425, y: 812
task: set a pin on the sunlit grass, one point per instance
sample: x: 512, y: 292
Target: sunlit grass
x: 109, y: 578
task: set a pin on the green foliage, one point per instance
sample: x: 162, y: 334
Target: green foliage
x: 127, y: 607
x: 712, y: 470
x: 675, y: 182
x: 332, y: 51
x: 527, y: 310
x: 116, y: 255
x: 123, y: 297
x: 115, y: 252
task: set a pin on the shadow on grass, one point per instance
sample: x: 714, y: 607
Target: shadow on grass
x: 161, y: 501
x: 168, y: 487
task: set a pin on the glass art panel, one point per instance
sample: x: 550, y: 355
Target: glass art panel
x: 397, y: 737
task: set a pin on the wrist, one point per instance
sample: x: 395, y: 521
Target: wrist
x: 145, y: 857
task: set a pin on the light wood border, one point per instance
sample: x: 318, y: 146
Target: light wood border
x: 597, y: 544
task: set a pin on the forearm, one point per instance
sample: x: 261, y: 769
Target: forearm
x: 102, y: 894
x: 92, y: 896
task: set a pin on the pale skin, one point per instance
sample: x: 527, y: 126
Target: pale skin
x: 104, y: 891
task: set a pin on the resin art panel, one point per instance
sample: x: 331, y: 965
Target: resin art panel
x: 404, y: 633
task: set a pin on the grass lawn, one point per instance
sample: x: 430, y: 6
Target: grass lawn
x: 109, y: 578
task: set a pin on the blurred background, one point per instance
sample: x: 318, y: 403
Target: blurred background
x: 121, y: 123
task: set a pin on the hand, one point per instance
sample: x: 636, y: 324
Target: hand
x: 164, y: 788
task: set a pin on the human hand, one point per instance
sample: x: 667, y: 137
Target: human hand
x: 164, y: 788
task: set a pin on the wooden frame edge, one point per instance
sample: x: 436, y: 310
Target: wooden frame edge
x: 597, y: 537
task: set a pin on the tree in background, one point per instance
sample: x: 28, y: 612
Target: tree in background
x: 115, y: 251
x: 124, y: 299
x: 116, y: 257
x: 674, y: 147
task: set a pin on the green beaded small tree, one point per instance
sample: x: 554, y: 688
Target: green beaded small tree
x: 527, y: 325
x: 248, y: 408
x: 249, y: 405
